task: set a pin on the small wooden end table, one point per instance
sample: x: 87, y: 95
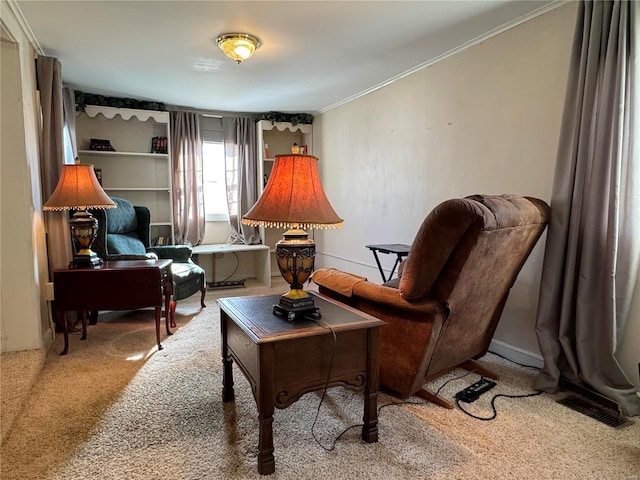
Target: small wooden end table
x: 114, y: 285
x: 284, y: 360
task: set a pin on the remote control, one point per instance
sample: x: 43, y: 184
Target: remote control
x: 473, y: 392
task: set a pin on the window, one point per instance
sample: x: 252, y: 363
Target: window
x: 215, y: 189
x: 67, y: 147
x: 213, y: 169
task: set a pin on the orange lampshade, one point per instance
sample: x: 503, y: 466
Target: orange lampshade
x: 293, y: 197
x: 78, y: 189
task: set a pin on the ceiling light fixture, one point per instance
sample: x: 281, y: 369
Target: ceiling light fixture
x: 238, y: 46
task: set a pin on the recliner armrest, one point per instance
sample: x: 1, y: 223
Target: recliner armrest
x: 349, y: 285
x: 336, y: 280
x: 131, y: 256
x: 177, y: 253
x: 390, y: 297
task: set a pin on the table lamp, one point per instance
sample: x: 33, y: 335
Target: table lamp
x: 294, y: 198
x: 78, y: 189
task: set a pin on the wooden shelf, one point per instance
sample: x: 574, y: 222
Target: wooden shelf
x: 280, y: 136
x: 138, y: 189
x: 131, y: 171
x: 124, y: 154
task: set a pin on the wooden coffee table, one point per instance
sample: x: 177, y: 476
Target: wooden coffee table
x: 115, y: 285
x: 284, y: 360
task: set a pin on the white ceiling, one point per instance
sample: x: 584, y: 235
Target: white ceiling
x: 314, y: 54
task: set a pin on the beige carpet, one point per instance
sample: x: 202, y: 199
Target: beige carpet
x: 114, y: 408
x: 18, y: 373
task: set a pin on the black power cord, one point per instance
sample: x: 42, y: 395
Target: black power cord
x: 335, y: 440
x: 326, y: 385
x: 452, y: 379
x: 235, y: 269
x: 533, y: 367
x: 500, y: 395
x: 381, y: 407
x: 493, y: 404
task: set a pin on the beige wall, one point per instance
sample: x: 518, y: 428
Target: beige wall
x: 484, y: 120
x: 24, y: 319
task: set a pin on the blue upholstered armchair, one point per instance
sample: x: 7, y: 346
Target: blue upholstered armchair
x: 123, y: 234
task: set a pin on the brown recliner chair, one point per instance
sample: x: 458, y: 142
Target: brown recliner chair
x: 443, y: 310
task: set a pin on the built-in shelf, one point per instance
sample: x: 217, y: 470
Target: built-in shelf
x: 126, y: 113
x: 131, y: 171
x: 124, y: 154
x: 137, y: 189
x: 280, y: 137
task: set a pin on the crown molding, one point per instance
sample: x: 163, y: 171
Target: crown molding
x: 24, y: 25
x: 492, y: 33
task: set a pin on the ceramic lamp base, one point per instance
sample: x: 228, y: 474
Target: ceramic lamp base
x: 295, y: 254
x: 84, y: 228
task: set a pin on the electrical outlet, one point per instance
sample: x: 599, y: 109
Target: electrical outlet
x: 48, y: 292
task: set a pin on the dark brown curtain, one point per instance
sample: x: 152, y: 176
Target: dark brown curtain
x: 592, y: 253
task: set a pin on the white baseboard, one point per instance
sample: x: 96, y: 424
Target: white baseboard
x: 516, y: 354
x: 48, y: 337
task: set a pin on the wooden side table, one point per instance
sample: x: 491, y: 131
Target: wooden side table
x: 115, y: 285
x: 284, y: 360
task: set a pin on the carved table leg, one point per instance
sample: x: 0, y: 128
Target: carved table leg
x: 228, y: 394
x: 204, y: 291
x: 169, y: 304
x: 265, y: 401
x: 266, y: 460
x: 158, y: 317
x: 62, y: 321
x: 169, y: 318
x: 84, y: 325
x: 172, y: 313
x: 370, y: 427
